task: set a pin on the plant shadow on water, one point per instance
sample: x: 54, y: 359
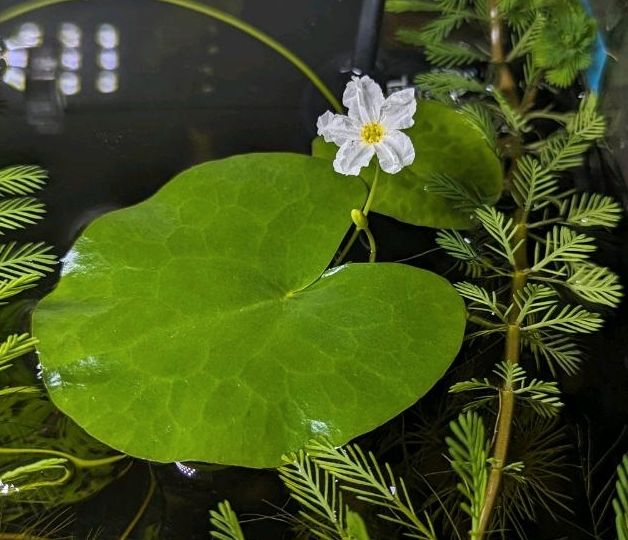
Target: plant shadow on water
x: 190, y: 90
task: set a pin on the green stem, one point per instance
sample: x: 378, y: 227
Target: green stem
x: 481, y: 321
x: 365, y: 210
x: 192, y: 5
x: 78, y: 462
x: 545, y: 222
x: 372, y: 245
x: 505, y: 414
x: 371, y: 197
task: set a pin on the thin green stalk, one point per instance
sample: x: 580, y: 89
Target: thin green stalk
x: 371, y: 197
x: 77, y: 461
x: 142, y: 509
x: 372, y: 245
x: 480, y: 321
x: 365, y: 211
x: 192, y: 5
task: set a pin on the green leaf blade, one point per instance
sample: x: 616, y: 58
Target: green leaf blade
x: 209, y: 333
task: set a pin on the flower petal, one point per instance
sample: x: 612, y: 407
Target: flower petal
x: 337, y: 128
x: 395, y: 152
x: 364, y: 99
x: 398, y: 110
x: 352, y: 156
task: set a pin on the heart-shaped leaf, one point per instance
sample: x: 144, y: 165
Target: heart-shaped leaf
x: 200, y: 325
x: 445, y: 144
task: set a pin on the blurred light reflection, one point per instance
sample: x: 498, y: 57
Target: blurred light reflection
x: 30, y: 35
x: 71, y: 59
x: 16, y: 58
x: 70, y: 35
x: 69, y: 83
x: 107, y: 82
x: 107, y: 36
x: 15, y: 78
x: 109, y: 59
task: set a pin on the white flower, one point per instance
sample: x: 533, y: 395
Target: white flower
x: 371, y: 127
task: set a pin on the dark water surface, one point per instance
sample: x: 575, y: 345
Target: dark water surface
x: 190, y: 89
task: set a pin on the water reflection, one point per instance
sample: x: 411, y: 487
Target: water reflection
x: 49, y: 69
x: 107, y: 82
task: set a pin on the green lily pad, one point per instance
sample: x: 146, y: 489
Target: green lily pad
x: 445, y: 144
x: 201, y: 324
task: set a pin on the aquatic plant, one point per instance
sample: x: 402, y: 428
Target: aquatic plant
x: 620, y: 503
x: 33, y: 469
x: 228, y: 293
x: 531, y: 283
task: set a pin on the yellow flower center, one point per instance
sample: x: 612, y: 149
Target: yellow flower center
x: 372, y: 133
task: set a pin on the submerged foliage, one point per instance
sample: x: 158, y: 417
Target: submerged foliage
x: 36, y: 470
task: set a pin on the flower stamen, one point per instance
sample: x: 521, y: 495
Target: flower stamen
x: 372, y: 133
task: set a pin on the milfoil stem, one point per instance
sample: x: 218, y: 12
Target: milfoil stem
x: 503, y: 426
x: 506, y: 84
x: 504, y: 80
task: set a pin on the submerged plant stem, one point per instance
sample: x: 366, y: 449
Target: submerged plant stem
x: 198, y: 7
x: 78, y: 462
x: 142, y: 509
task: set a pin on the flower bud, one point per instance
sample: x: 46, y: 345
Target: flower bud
x: 360, y: 220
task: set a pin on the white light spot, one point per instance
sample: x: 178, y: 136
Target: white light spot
x: 185, y: 469
x: 71, y: 59
x: 15, y: 78
x: 54, y: 380
x: 334, y: 270
x: 109, y: 59
x: 69, y: 84
x: 70, y: 35
x: 319, y: 428
x: 393, y: 490
x: 7, y: 489
x: 17, y: 58
x: 30, y: 35
x: 107, y: 82
x: 467, y: 240
x: 107, y: 36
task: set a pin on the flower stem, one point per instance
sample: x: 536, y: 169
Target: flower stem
x: 372, y: 245
x: 192, y: 5
x: 356, y: 232
x: 371, y: 197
